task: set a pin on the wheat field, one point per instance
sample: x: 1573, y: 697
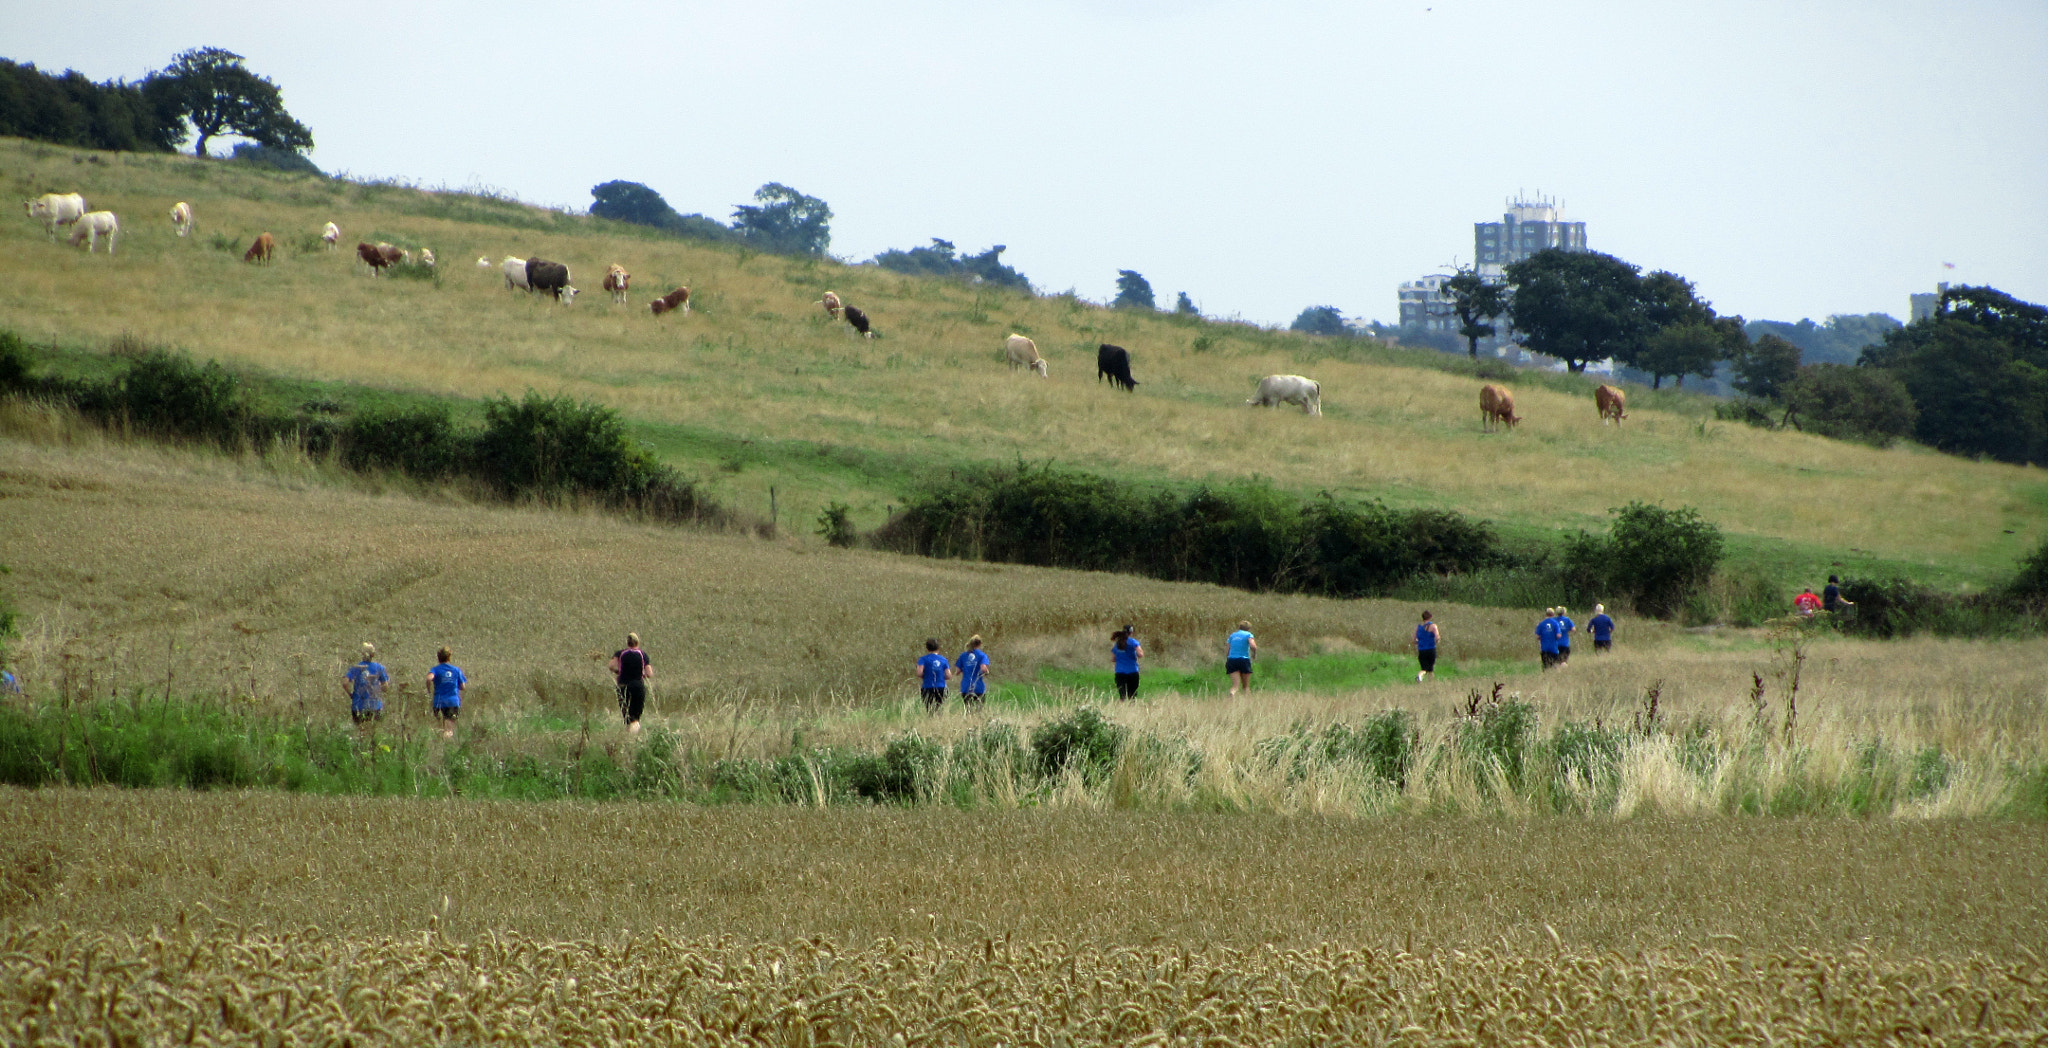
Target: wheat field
x: 746, y: 387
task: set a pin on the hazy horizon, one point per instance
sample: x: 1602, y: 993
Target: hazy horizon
x: 1793, y: 161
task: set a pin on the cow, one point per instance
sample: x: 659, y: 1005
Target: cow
x: 330, y: 235
x: 1023, y: 353
x: 93, y: 225
x: 831, y: 304
x: 1275, y: 390
x: 551, y: 277
x: 378, y: 256
x: 427, y: 257
x: 616, y: 279
x: 1114, y: 363
x: 1496, y: 405
x: 858, y: 319
x: 677, y: 299
x: 1612, y: 404
x: 515, y: 273
x: 181, y: 218
x: 264, y: 246
x: 56, y: 209
x: 483, y: 262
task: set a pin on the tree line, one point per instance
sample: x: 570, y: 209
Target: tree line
x: 205, y: 92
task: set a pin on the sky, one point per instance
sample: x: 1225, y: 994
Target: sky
x: 1793, y: 159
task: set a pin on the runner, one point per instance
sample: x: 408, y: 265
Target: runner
x: 931, y: 674
x: 1546, y: 638
x: 1237, y: 661
x: 1124, y: 653
x: 1565, y: 626
x: 972, y: 668
x: 366, y: 681
x: 1603, y: 629
x: 447, y: 680
x: 1427, y: 637
x: 632, y: 669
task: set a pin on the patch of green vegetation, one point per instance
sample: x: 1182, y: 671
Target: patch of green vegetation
x: 1326, y: 674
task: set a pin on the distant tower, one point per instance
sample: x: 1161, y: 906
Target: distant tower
x: 1529, y: 226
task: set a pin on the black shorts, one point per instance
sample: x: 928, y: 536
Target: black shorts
x: 1426, y: 658
x: 1564, y: 651
x: 447, y: 713
x: 972, y: 698
x: 1237, y: 665
x: 1549, y: 659
x: 1603, y: 645
x: 365, y: 716
x: 632, y: 699
x: 1126, y: 685
x: 933, y: 697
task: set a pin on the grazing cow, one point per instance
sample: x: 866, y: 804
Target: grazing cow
x: 56, y: 209
x: 615, y: 281
x: 260, y: 251
x: 1023, y: 353
x: 1114, y: 363
x: 1611, y: 403
x: 551, y: 277
x: 181, y: 218
x: 515, y: 273
x: 1496, y: 405
x: 93, y: 225
x: 427, y: 257
x: 330, y: 235
x: 831, y: 304
x: 483, y: 261
x: 677, y: 299
x: 379, y: 256
x: 858, y: 319
x: 1275, y: 390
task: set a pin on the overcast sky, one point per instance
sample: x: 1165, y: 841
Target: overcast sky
x: 1792, y: 158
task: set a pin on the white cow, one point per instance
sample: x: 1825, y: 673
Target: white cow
x: 483, y: 262
x: 56, y: 209
x: 515, y: 273
x: 93, y: 225
x: 330, y: 234
x: 1275, y: 390
x: 181, y: 218
x: 1023, y: 353
x: 427, y: 257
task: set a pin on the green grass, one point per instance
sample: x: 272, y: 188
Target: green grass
x: 1333, y: 674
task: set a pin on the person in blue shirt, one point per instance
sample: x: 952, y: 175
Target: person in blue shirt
x: 366, y: 681
x: 447, y: 680
x: 1602, y: 627
x: 1427, y: 637
x: 1546, y: 637
x: 972, y: 669
x: 1565, y: 626
x: 931, y: 672
x: 8, y: 684
x: 1124, y: 653
x: 1237, y: 660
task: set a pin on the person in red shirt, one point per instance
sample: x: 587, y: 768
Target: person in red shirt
x: 1806, y: 603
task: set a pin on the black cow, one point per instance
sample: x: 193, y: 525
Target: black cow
x: 551, y: 277
x: 859, y: 320
x: 1114, y: 363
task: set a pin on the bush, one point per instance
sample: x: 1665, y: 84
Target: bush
x: 288, y: 160
x: 1498, y: 733
x: 554, y: 445
x: 1750, y: 411
x: 2030, y: 586
x: 166, y: 393
x: 835, y: 527
x: 1661, y: 556
x: 1850, y: 403
x: 421, y: 443
x: 14, y: 363
x: 1084, y: 740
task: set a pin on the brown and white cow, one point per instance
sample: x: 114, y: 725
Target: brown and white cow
x: 616, y: 280
x: 1612, y: 403
x: 181, y: 218
x: 677, y: 299
x: 1496, y: 405
x: 831, y: 304
x: 378, y: 256
x: 1023, y: 353
x: 330, y: 235
x: 264, y: 246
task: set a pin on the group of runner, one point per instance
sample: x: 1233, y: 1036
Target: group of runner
x: 1829, y: 599
x: 366, y: 680
x: 1554, y: 634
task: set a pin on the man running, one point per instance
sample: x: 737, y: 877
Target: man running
x: 972, y: 668
x: 1546, y: 638
x: 931, y: 672
x: 1602, y: 627
x: 632, y: 669
x: 447, y: 680
x: 1565, y: 626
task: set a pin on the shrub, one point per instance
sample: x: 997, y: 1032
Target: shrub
x: 14, y: 363
x: 1749, y: 411
x: 1384, y: 745
x: 167, y: 393
x: 420, y: 443
x: 555, y: 445
x: 2030, y: 586
x: 835, y: 526
x: 1850, y: 403
x: 1498, y: 733
x: 1661, y: 556
x: 1583, y: 756
x: 906, y: 764
x: 1084, y: 740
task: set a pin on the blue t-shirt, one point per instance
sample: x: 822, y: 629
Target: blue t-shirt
x: 448, y: 682
x: 367, y: 679
x: 1126, y: 657
x: 934, y: 666
x: 1425, y: 638
x: 8, y: 683
x: 1602, y: 627
x: 973, y: 663
x: 1241, y: 644
x: 1546, y: 635
x: 1565, y: 626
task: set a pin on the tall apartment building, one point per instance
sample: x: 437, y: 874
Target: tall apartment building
x: 1528, y: 226
x: 1423, y: 304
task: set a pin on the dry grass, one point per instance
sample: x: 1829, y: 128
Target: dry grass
x: 759, y: 361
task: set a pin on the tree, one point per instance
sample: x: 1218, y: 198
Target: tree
x: 1839, y: 341
x: 1474, y: 301
x: 1185, y: 306
x: 1685, y: 349
x: 210, y: 87
x: 785, y: 221
x: 290, y: 160
x: 941, y: 260
x: 1320, y: 320
x: 1578, y: 306
x: 1977, y: 372
x: 1849, y: 403
x: 73, y: 111
x: 1133, y: 291
x: 1766, y: 367
x: 623, y: 201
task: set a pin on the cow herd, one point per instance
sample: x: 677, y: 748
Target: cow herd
x: 59, y: 210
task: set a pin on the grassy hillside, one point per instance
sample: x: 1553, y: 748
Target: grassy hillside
x: 758, y: 389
